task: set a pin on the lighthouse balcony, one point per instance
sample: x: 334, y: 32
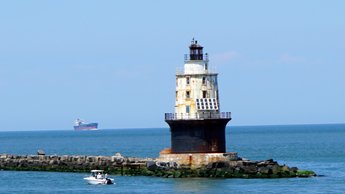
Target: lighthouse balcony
x: 195, y: 71
x: 197, y: 116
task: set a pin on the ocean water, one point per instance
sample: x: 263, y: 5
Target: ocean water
x: 315, y: 147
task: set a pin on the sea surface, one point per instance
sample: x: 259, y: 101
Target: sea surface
x: 320, y: 148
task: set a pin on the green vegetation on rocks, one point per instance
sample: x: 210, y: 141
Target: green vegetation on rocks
x: 305, y: 173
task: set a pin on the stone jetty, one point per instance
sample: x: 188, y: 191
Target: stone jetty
x: 118, y: 164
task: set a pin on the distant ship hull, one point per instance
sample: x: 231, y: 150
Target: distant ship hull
x: 86, y: 126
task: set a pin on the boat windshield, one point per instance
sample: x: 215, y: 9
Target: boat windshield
x: 97, y: 173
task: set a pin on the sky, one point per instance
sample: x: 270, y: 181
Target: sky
x: 114, y: 62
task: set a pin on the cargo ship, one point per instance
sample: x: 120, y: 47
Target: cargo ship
x: 82, y: 125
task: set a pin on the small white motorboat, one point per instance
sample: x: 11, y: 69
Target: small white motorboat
x: 98, y: 177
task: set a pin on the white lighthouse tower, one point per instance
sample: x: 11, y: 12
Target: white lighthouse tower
x: 196, y: 87
x: 197, y: 126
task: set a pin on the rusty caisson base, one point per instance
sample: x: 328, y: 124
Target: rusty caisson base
x: 198, y: 136
x: 197, y: 160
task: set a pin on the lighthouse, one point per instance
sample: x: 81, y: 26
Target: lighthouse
x: 197, y: 125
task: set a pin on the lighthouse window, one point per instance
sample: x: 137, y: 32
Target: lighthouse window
x: 187, y: 94
x: 187, y: 80
x: 204, y: 80
x: 187, y: 109
x: 204, y: 94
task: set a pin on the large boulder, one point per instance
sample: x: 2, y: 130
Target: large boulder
x: 218, y: 165
x: 151, y: 165
x: 250, y: 169
x: 118, y: 158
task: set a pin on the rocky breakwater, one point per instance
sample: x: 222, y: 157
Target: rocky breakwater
x: 234, y: 168
x: 240, y: 168
x: 74, y: 163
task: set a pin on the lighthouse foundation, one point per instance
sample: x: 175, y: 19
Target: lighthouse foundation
x: 198, y: 135
x: 197, y: 160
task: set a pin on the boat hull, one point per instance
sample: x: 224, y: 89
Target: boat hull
x: 102, y: 181
x: 88, y: 126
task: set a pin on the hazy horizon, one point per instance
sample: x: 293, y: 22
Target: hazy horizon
x: 228, y: 127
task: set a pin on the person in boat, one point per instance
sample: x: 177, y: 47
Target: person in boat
x: 99, y: 176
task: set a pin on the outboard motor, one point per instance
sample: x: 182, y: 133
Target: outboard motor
x: 109, y: 182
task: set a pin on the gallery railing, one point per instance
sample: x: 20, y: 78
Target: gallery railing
x: 197, y: 116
